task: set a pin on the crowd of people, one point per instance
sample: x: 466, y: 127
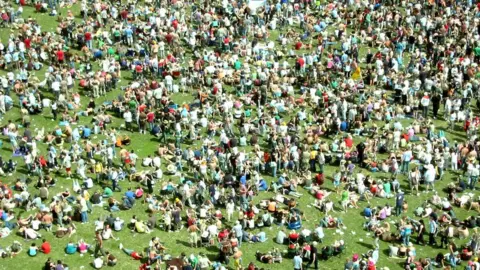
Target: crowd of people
x: 245, y: 101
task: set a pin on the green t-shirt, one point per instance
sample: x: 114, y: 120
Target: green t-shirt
x: 132, y: 104
x: 386, y: 188
x: 345, y: 196
x: 238, y: 65
x: 334, y: 84
x: 476, y: 51
x: 108, y: 192
x: 193, y: 261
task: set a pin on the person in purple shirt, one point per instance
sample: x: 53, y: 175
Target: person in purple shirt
x: 59, y: 265
x: 350, y: 167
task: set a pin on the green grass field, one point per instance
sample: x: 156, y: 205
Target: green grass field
x: 355, y: 236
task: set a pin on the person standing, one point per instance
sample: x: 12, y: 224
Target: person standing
x: 54, y: 111
x: 433, y: 231
x: 114, y: 178
x: 421, y: 232
x: 345, y: 200
x: 98, y: 245
x: 425, y: 102
x: 128, y: 117
x: 474, y: 173
x: 406, y: 158
x: 399, y: 202
x: 313, y: 256
x: 237, y: 257
x: 238, y: 232
x: 83, y: 209
x: 150, y: 185
x: 297, y: 262
x: 436, y: 99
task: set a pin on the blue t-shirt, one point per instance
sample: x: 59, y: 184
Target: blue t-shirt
x: 367, y: 212
x: 32, y: 251
x: 129, y: 194
x: 70, y: 249
x: 128, y: 32
x: 297, y: 262
x: 87, y: 132
x: 263, y: 184
x: 243, y: 179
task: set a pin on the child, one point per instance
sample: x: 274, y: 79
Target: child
x: 32, y: 250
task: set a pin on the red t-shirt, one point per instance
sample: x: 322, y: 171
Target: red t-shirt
x: 150, y: 117
x: 124, y: 14
x: 28, y: 43
x: 60, y: 55
x: 320, y: 179
x: 136, y: 256
x: 294, y: 236
x: 301, y: 62
x: 349, y: 142
x: 46, y: 248
x: 298, y: 45
x: 88, y: 36
x: 169, y: 38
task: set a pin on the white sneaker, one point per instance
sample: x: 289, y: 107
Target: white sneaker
x: 120, y: 246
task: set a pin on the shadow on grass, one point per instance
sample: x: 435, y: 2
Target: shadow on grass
x: 184, y: 243
x: 369, y: 246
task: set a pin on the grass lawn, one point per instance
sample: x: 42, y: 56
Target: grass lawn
x: 355, y: 236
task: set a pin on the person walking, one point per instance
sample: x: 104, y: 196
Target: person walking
x: 433, y: 231
x: 98, y: 245
x: 313, y: 256
x: 399, y: 202
x: 297, y: 262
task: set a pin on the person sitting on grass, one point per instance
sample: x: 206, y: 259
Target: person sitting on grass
x: 139, y: 226
x: 33, y: 250
x: 71, y: 248
x: 83, y: 247
x: 45, y: 248
x: 111, y: 260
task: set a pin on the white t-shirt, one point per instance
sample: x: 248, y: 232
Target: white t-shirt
x: 36, y: 224
x: 98, y: 263
x: 147, y: 161
x: 157, y: 162
x: 127, y: 116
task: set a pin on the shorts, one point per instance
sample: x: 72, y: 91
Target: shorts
x: 237, y: 262
x: 68, y: 169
